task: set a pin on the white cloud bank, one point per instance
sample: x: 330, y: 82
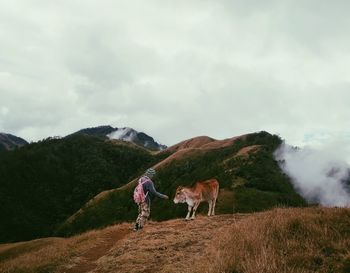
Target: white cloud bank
x: 319, y: 173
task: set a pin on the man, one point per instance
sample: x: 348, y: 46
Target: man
x: 145, y: 206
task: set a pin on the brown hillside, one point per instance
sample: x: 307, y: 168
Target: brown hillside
x: 171, y: 246
x: 197, y: 145
x: 196, y: 142
x: 280, y: 240
x: 204, y: 142
x: 223, y: 143
x: 180, y: 154
x: 247, y: 150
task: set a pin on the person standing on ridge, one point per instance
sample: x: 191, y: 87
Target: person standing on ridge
x: 142, y: 193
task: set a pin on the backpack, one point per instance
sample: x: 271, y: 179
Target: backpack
x: 139, y: 194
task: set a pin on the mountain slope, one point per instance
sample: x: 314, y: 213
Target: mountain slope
x: 10, y: 142
x: 125, y: 134
x: 43, y: 183
x: 280, y: 240
x: 250, y: 180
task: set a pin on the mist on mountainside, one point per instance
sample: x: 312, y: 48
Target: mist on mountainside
x: 320, y: 174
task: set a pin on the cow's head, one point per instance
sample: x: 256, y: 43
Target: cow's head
x: 180, y: 196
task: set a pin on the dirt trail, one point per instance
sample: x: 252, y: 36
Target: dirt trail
x: 170, y: 246
x: 87, y: 261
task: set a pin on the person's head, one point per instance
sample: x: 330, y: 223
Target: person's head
x: 150, y: 173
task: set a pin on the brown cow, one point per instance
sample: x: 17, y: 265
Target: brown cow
x: 193, y: 196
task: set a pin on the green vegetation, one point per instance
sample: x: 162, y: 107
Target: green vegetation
x: 115, y: 207
x: 248, y: 183
x: 43, y: 183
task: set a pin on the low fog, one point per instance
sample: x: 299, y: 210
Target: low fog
x: 320, y: 174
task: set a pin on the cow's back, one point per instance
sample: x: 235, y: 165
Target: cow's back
x: 207, y: 189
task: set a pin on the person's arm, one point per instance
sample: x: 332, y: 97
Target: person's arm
x: 152, y: 190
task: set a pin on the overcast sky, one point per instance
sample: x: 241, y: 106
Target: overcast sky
x: 176, y: 69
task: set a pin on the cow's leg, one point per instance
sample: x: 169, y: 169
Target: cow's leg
x: 213, y: 207
x: 210, y: 207
x: 189, y: 212
x: 194, y: 210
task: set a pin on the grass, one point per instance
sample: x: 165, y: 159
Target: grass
x: 286, y: 241
x: 48, y: 254
x: 283, y: 240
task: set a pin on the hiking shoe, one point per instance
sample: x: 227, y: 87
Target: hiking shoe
x: 136, y: 227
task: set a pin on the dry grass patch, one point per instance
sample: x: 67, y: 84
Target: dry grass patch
x: 196, y: 142
x: 245, y: 151
x: 48, y: 254
x: 175, y: 246
x: 287, y: 241
x: 277, y: 241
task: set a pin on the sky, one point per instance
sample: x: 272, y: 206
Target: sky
x: 176, y: 69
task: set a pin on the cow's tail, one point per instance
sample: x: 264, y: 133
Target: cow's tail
x: 217, y: 192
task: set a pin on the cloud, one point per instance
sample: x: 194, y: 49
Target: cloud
x: 319, y: 173
x: 218, y: 68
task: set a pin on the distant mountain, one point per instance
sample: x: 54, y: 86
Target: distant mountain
x: 10, y: 142
x: 125, y: 134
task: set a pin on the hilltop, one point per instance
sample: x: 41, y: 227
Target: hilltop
x: 281, y: 240
x: 250, y: 180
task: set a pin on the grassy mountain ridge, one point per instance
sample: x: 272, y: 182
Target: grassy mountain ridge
x: 43, y: 183
x: 250, y: 180
x: 290, y: 240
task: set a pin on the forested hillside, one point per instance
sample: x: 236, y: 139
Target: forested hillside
x: 43, y: 183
